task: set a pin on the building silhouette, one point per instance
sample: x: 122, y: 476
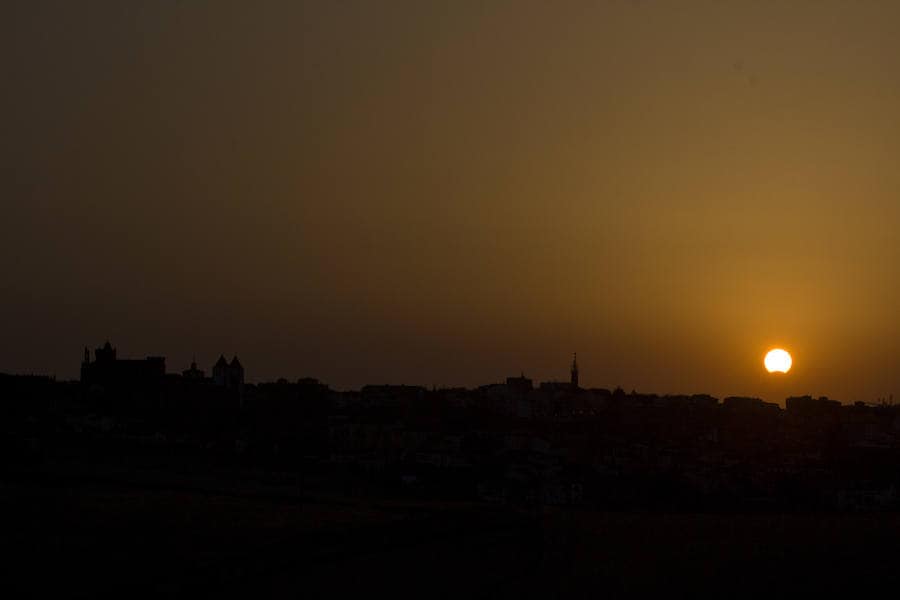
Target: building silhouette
x: 520, y: 384
x: 193, y: 374
x: 563, y: 387
x: 107, y: 370
x: 228, y: 375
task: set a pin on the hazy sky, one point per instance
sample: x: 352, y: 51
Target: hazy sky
x: 453, y: 192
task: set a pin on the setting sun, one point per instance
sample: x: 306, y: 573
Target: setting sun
x: 778, y: 361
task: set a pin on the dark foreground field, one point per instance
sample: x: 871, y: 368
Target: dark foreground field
x: 152, y: 534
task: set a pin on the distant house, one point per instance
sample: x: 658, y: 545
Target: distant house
x: 745, y: 404
x: 519, y: 385
x: 392, y: 395
x: 807, y: 405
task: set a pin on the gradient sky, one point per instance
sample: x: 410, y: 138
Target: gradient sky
x: 452, y: 192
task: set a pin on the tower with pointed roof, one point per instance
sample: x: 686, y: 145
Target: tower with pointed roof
x: 220, y: 371
x: 574, y: 378
x: 235, y: 373
x: 229, y: 375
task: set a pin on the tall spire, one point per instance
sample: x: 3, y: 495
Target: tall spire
x: 575, y: 370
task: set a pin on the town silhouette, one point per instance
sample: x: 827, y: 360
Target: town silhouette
x: 449, y: 299
x: 138, y: 481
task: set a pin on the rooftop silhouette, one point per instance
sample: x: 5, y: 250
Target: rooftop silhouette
x: 493, y: 465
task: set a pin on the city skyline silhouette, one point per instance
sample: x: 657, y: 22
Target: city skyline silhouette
x: 198, y: 482
x: 93, y: 361
x: 435, y: 194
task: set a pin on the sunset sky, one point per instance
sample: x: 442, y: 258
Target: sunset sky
x: 453, y: 192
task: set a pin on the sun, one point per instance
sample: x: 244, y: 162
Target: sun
x: 778, y: 361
